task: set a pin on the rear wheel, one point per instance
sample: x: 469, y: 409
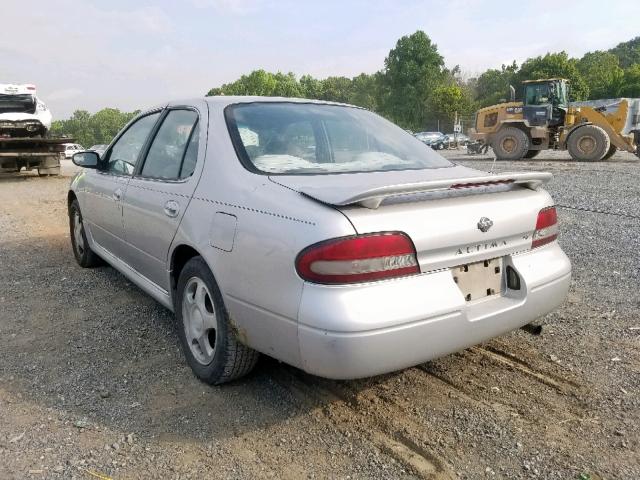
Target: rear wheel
x: 510, y: 143
x: 612, y: 150
x: 85, y: 257
x: 532, y: 153
x: 208, y: 339
x: 588, y: 143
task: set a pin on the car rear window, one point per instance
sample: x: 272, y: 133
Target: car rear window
x: 306, y: 138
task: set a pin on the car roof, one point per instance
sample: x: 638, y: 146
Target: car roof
x: 222, y: 101
x: 230, y: 100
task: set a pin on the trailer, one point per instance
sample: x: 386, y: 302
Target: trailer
x: 31, y: 153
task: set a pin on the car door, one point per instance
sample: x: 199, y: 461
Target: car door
x: 105, y: 186
x: 159, y: 192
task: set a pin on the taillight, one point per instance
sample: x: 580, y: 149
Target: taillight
x: 546, y: 227
x: 362, y: 258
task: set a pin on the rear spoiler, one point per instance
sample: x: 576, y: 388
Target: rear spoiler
x: 373, y: 197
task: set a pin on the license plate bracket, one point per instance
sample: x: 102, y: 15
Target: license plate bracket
x: 479, y: 279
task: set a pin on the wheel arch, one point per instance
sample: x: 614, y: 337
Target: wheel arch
x: 519, y: 124
x: 179, y: 256
x: 516, y: 123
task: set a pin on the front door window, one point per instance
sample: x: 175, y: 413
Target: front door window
x: 124, y: 154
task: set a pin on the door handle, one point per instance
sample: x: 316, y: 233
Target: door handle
x: 117, y: 195
x: 171, y: 208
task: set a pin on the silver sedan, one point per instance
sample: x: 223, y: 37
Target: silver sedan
x: 316, y: 233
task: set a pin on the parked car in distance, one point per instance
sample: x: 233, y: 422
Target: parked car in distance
x: 71, y: 148
x: 451, y: 139
x: 435, y: 140
x: 316, y: 233
x: 100, y: 148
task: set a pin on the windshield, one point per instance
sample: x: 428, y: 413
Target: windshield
x: 302, y: 138
x: 537, y: 94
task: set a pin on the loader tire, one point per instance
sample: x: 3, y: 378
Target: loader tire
x: 510, y: 143
x: 612, y: 150
x: 588, y: 143
x: 532, y: 153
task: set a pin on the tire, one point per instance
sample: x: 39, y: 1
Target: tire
x: 532, y: 154
x: 85, y: 257
x: 208, y: 339
x: 588, y: 143
x: 510, y: 143
x: 441, y: 146
x: 612, y: 150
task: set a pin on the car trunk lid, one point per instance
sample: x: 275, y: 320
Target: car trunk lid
x: 454, y: 216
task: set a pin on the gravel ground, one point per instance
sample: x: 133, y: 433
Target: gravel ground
x: 93, y: 385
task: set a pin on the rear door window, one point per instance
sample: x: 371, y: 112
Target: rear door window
x: 172, y: 147
x: 191, y: 155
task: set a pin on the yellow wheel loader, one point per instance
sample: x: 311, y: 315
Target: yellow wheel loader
x: 590, y: 131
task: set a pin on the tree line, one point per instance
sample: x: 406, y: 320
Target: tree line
x: 414, y: 88
x: 88, y: 129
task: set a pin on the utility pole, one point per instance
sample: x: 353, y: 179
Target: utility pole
x: 456, y: 129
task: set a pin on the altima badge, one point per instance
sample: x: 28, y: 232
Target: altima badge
x: 484, y: 224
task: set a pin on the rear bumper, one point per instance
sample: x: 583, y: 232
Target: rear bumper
x: 360, y: 331
x: 21, y: 128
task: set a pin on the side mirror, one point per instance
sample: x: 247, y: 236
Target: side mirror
x: 88, y: 159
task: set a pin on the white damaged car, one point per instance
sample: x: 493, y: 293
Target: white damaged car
x: 22, y: 113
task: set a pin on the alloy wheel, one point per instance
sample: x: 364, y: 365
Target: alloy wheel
x: 200, y: 320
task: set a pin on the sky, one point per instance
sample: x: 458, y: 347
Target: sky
x: 91, y: 54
